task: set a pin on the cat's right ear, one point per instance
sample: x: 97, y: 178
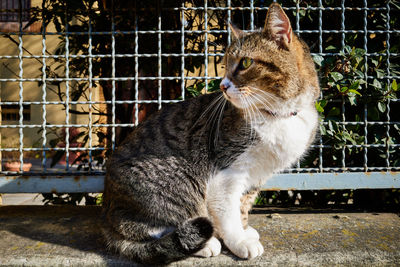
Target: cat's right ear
x: 237, y: 33
x: 277, y: 26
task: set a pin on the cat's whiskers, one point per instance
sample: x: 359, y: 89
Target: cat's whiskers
x: 212, y: 110
x: 249, y: 116
x: 207, y: 110
x: 254, y: 108
x: 262, y: 98
x: 251, y: 91
x: 267, y: 94
x: 258, y: 99
x: 264, y: 92
x: 215, y: 110
x: 219, y: 119
x: 265, y: 106
x: 244, y: 91
x: 214, y: 120
x: 245, y: 97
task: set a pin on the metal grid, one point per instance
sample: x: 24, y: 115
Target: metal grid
x: 255, y: 13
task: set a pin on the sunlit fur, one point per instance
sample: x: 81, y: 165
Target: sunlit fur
x: 275, y: 79
x: 185, y: 178
x: 276, y: 96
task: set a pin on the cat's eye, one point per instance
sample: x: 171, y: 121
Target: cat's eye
x: 245, y: 63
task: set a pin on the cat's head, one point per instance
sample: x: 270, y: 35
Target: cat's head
x: 269, y: 69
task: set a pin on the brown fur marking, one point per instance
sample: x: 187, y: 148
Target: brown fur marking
x: 247, y: 201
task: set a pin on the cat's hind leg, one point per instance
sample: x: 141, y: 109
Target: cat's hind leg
x: 160, y: 246
x: 246, y: 202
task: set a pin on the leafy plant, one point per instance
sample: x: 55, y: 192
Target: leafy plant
x: 199, y: 88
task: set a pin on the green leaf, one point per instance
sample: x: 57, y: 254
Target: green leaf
x: 337, y: 76
x: 381, y: 107
x: 334, y: 112
x: 348, y: 137
x: 348, y: 49
x: 322, y: 130
x: 213, y: 85
x: 355, y: 85
x: 359, y: 52
x: 377, y: 84
x: 330, y: 126
x: 354, y: 92
x: 359, y: 73
x: 319, y: 108
x: 353, y: 100
x: 330, y: 48
x: 379, y: 73
x: 394, y: 86
x: 193, y: 91
x: 318, y: 60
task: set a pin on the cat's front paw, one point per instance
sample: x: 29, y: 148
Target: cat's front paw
x: 246, y: 249
x: 211, y: 249
x: 251, y: 233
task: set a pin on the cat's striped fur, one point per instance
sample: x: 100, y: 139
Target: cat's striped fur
x: 174, y: 188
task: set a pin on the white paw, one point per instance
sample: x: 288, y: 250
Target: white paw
x: 251, y: 233
x: 246, y: 249
x: 211, y: 249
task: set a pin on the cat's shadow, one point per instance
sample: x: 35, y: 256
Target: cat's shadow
x: 63, y: 228
x: 67, y: 227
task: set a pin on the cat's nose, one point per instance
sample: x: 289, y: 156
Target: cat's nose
x: 224, y: 85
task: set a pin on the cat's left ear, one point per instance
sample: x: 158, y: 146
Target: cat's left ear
x: 277, y: 26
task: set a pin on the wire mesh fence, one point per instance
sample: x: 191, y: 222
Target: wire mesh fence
x: 77, y: 76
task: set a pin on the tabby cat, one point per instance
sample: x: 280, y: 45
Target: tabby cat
x: 184, y: 180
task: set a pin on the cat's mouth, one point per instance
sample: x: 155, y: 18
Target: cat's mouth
x: 226, y: 95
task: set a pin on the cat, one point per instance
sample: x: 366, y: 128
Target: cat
x: 185, y: 179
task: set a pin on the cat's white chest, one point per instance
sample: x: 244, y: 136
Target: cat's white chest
x: 283, y: 142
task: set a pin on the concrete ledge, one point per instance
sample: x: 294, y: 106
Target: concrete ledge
x: 70, y: 236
